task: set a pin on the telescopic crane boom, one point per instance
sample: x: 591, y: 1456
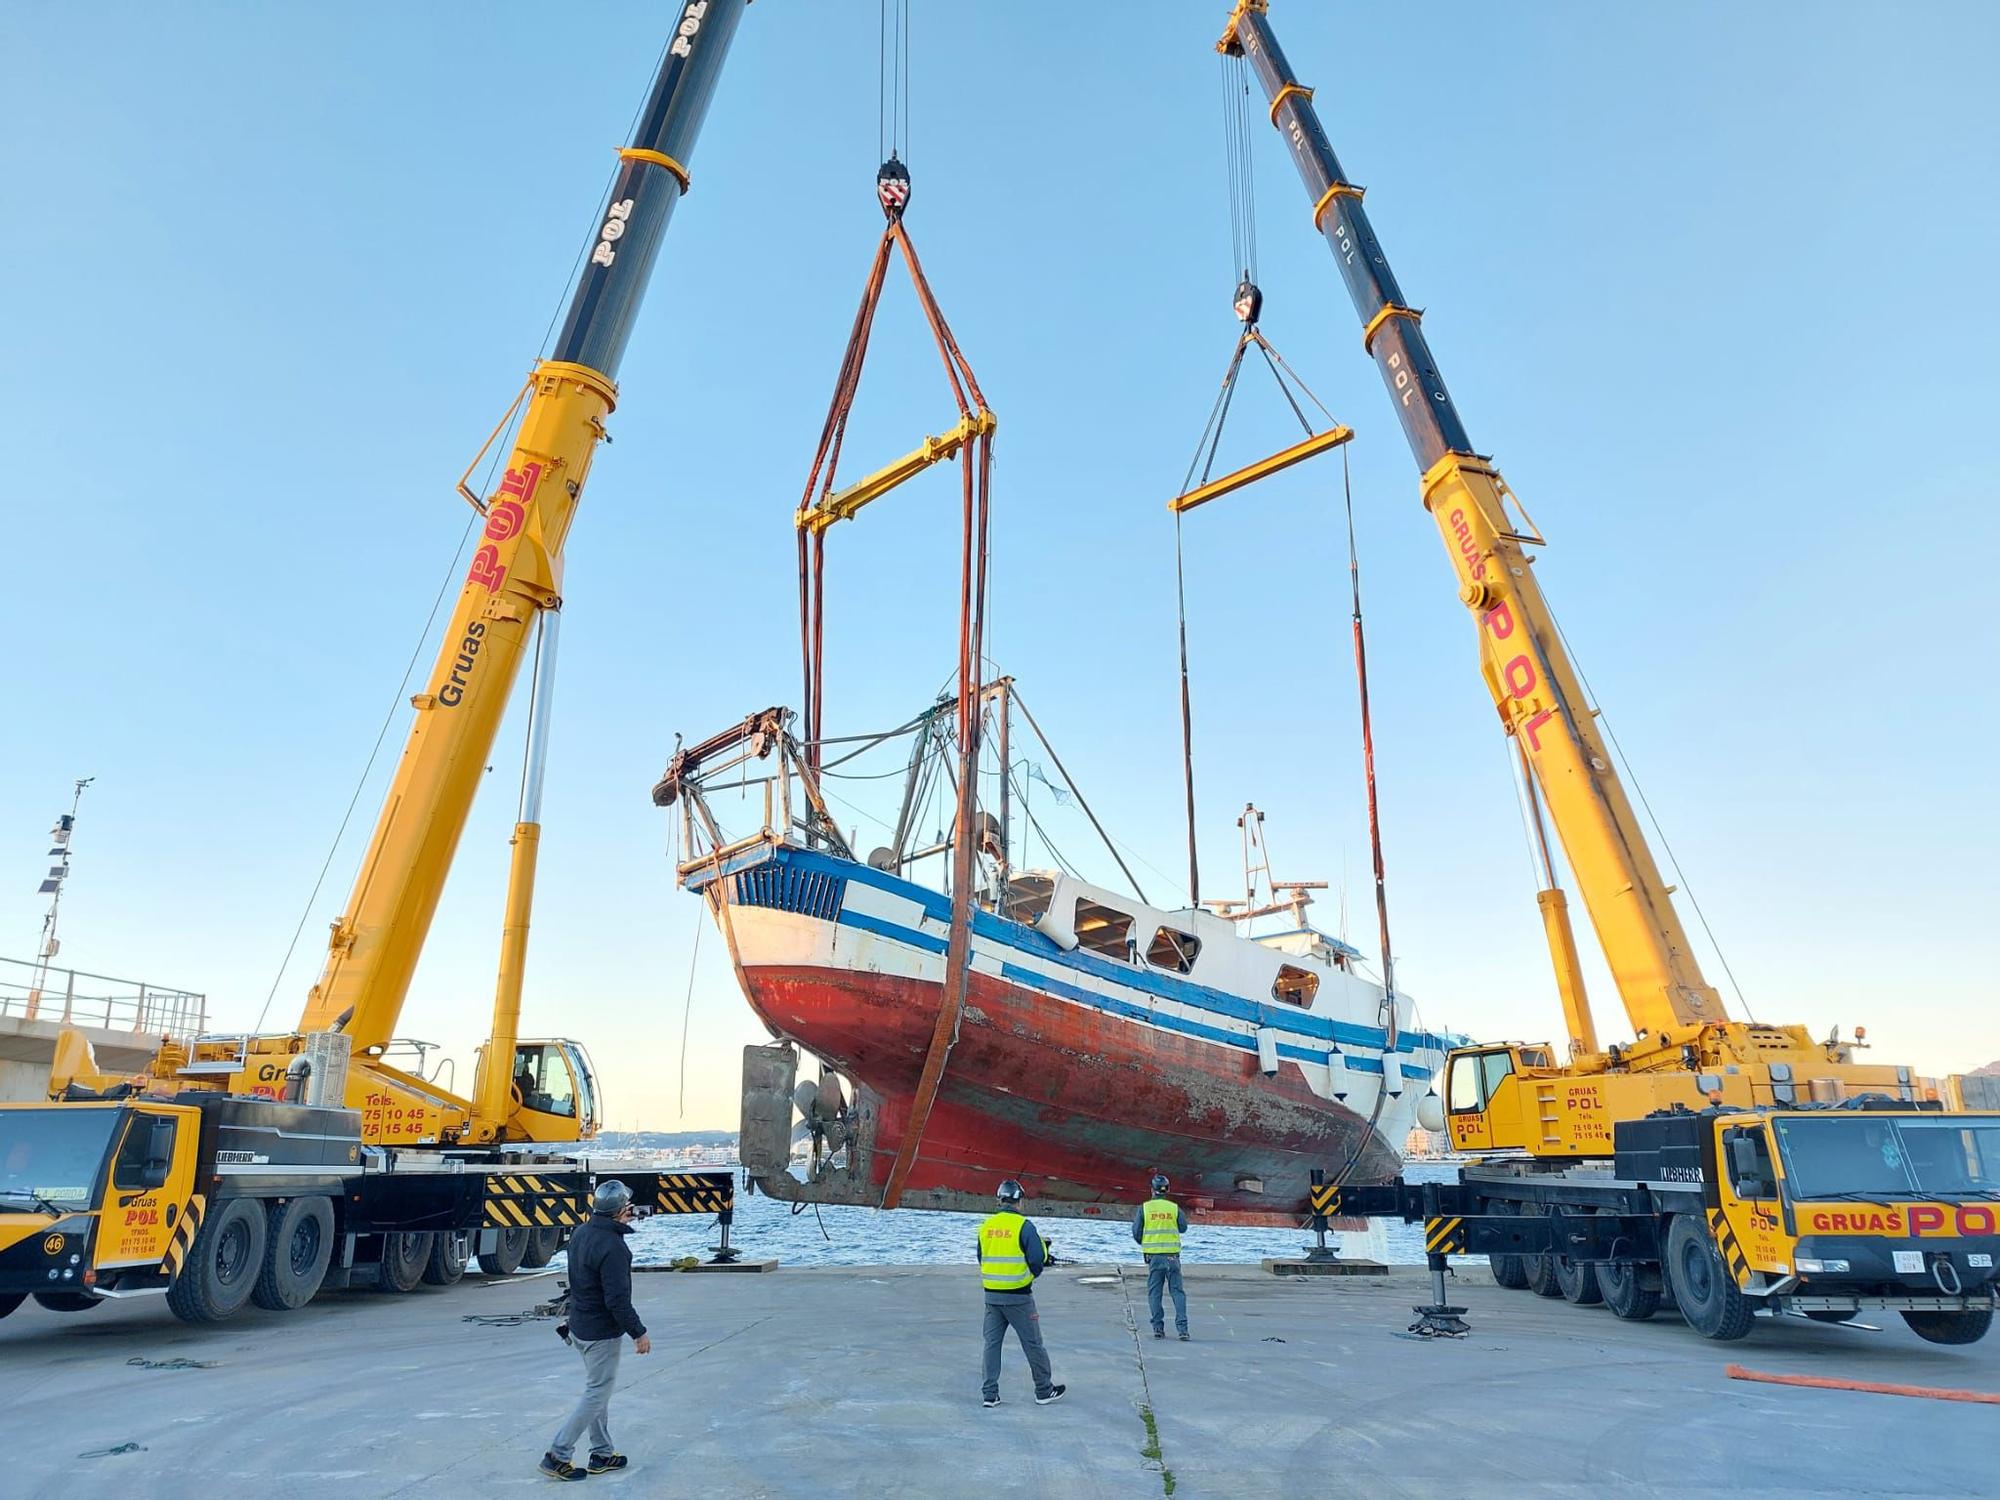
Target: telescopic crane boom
x: 512, y: 589
x: 1676, y: 1014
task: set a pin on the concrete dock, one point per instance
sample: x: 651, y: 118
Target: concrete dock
x: 814, y: 1384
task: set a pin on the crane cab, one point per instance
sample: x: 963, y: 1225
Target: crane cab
x: 1486, y: 1106
x: 553, y: 1096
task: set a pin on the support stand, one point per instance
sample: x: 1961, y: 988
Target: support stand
x: 1436, y: 1319
x: 726, y: 1254
x: 1321, y: 1253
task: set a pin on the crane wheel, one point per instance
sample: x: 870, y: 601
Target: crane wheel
x: 1510, y: 1271
x: 509, y: 1246
x: 222, y: 1264
x: 1626, y: 1289
x: 1541, y: 1271
x: 11, y: 1300
x: 298, y: 1247
x: 542, y: 1246
x: 1705, y: 1292
x: 402, y: 1261
x: 1577, y: 1279
x: 1950, y: 1327
x: 450, y: 1250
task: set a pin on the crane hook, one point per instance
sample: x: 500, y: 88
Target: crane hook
x: 892, y: 188
x: 1249, y: 302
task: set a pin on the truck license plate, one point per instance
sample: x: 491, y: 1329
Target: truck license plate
x: 1909, y: 1260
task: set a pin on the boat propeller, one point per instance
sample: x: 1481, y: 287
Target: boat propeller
x: 824, y: 1106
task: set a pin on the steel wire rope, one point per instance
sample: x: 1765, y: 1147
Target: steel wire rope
x: 361, y: 783
x: 1658, y: 832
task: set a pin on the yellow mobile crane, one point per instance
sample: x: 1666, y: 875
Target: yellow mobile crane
x: 266, y: 1166
x: 1736, y: 1166
x: 1552, y: 1102
x: 508, y: 608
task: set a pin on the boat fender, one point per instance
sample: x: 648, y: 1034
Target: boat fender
x: 1267, y: 1051
x: 1392, y: 1075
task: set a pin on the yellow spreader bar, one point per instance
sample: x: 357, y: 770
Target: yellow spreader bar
x: 1319, y: 442
x: 843, y: 505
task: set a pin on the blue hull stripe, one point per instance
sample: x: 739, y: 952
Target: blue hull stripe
x: 1024, y: 939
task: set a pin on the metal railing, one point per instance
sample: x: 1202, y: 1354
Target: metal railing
x: 29, y: 993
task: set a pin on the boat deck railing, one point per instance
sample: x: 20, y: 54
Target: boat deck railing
x: 32, y: 992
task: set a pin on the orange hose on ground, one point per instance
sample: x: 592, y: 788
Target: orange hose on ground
x: 1828, y: 1383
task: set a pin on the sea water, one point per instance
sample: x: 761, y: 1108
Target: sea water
x: 767, y: 1228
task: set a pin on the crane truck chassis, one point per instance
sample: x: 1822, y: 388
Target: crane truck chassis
x: 214, y: 1201
x: 1821, y: 1212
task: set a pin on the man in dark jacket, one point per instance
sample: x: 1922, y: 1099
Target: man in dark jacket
x: 600, y: 1315
x: 1011, y: 1256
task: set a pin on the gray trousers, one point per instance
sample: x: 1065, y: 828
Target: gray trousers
x: 1027, y: 1324
x: 593, y: 1412
x: 1163, y: 1272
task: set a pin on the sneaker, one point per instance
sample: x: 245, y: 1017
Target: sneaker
x: 561, y: 1468
x: 989, y: 1401
x: 1184, y: 1336
x: 607, y: 1463
x: 1055, y: 1394
x: 1159, y: 1333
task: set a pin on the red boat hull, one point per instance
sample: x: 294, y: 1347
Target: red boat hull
x: 1079, y: 1105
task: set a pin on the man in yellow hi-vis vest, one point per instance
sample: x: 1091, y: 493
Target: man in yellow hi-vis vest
x: 1157, y: 1226
x: 1011, y: 1256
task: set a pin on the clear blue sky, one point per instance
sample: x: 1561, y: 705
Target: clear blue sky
x: 1714, y: 285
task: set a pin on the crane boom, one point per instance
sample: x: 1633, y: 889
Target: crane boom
x: 516, y: 572
x: 1536, y: 689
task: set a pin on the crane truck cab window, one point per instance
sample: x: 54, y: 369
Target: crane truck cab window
x: 1295, y: 986
x: 1103, y: 930
x: 149, y: 1139
x: 542, y: 1075
x: 1173, y: 950
x: 1473, y: 1078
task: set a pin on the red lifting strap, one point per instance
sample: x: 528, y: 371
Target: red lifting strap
x: 975, y: 455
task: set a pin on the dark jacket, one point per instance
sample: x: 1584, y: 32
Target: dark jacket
x: 1033, y: 1252
x: 600, y: 1281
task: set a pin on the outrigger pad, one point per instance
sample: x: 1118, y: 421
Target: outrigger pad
x: 1437, y: 1321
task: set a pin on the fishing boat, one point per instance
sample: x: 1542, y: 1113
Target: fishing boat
x: 1101, y: 1039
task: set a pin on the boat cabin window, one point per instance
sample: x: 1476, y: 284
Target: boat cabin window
x: 1103, y: 929
x: 1295, y: 986
x: 1027, y: 898
x: 1173, y: 950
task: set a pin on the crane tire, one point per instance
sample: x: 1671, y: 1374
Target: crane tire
x: 1542, y: 1275
x: 504, y: 1259
x: 1509, y: 1271
x: 1950, y: 1327
x: 1626, y: 1292
x: 403, y: 1258
x: 450, y: 1250
x: 222, y: 1264
x: 298, y: 1247
x: 543, y: 1244
x: 1577, y: 1279
x: 1705, y: 1292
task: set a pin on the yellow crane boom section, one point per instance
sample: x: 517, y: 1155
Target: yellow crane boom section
x: 515, y: 574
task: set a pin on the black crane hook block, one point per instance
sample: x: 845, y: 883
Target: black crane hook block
x: 892, y: 187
